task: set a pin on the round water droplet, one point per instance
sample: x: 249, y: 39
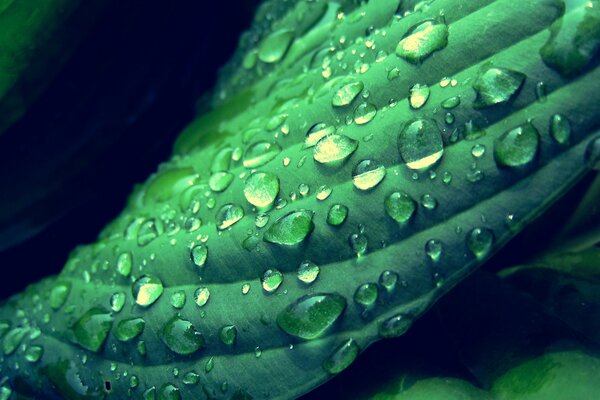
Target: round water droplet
x: 342, y: 357
x: 388, y: 280
x: 592, y: 154
x: 290, y: 229
x: 560, y: 129
x: 146, y: 290
x: 261, y: 189
x: 367, y: 174
x: 478, y: 150
x: 395, y: 326
x: 129, y: 329
x: 480, y: 241
x: 419, y: 94
x: 271, y: 280
x: 201, y: 296
x: 33, y: 354
x: 358, y: 243
x: 308, y: 272
x: 347, y: 93
x: 495, y: 86
x: 178, y: 299
x: 316, y: 133
x: 199, y: 254
x: 400, y: 207
x: 337, y: 214
x: 433, y: 249
x: 334, y: 149
x: 220, y: 181
x: 310, y: 316
x: 180, y: 336
x: 364, y: 113
x: 91, y: 330
x: 428, y: 201
x: 169, y: 392
x: 420, y: 144
x: 422, y: 40
x: 124, y: 263
x: 228, y: 215
x: 323, y: 192
x: 517, y: 147
x: 366, y: 294
x: 275, y: 46
x: 228, y: 335
x: 260, y: 153
x: 191, y: 378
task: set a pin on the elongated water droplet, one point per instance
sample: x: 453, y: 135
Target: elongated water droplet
x: 334, y: 149
x: 13, y: 338
x: 395, y: 326
x: 128, y: 329
x: 199, y: 254
x: 347, y: 93
x: 33, y: 354
x: 496, y: 85
x: 517, y: 147
x: 316, y: 133
x: 451, y: 102
x: 220, y: 181
x: 480, y: 241
x: 222, y: 160
x: 261, y: 189
x: 91, y: 330
x: 364, y: 113
x: 201, y: 296
x: 260, y: 153
x: 228, y: 215
x: 337, y: 214
x: 146, y: 290
x: 560, y: 129
x: 290, y: 229
x: 420, y: 144
x: 367, y: 174
x: 271, y: 280
x: 308, y: 272
x: 148, y: 231
x: 310, y: 316
x: 274, y: 47
x: 323, y: 192
x: 342, y: 357
x: 124, y: 263
x: 419, y: 94
x: 400, y: 207
x: 59, y: 294
x: 422, y: 40
x: 117, y: 301
x: 180, y: 336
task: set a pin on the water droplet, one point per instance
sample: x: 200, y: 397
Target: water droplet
x: 257, y: 352
x: 124, y: 263
x: 191, y: 378
x: 308, y: 272
x: 517, y: 147
x: 395, y: 326
x: 323, y: 192
x: 342, y: 357
x: 271, y: 280
x: 222, y: 160
x: 129, y: 329
x: 13, y: 339
x: 199, y: 254
x: 180, y: 336
x: 496, y: 85
x: 367, y: 174
x: 33, y: 354
x: 480, y: 241
x: 560, y: 129
x: 334, y: 149
x: 210, y: 364
x: 148, y: 231
x: 451, y: 102
x: 388, y: 280
x: 420, y: 144
x: 337, y: 214
x: 592, y: 154
x: 228, y: 215
x: 274, y: 47
x: 419, y: 94
x: 117, y: 301
x: 428, y: 201
x: 290, y: 229
x: 91, y: 330
x: 478, y: 150
x: 146, y: 290
x: 316, y: 133
x: 433, y: 249
x: 228, y: 335
x: 260, y: 153
x: 245, y: 288
x: 310, y: 316
x: 366, y: 294
x: 400, y: 207
x: 201, y: 296
x: 178, y: 299
x: 358, y: 243
x: 347, y: 93
x: 169, y: 392
x: 364, y: 113
x: 261, y: 189
x: 59, y: 294
x: 422, y: 40
x: 220, y: 181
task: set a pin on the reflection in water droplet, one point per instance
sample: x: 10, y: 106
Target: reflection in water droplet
x: 496, y: 85
x: 308, y: 272
x: 271, y: 280
x: 261, y: 189
x: 420, y: 144
x: 228, y: 215
x: 367, y: 174
x: 316, y: 133
x: 334, y: 149
x: 146, y: 290
x: 422, y: 40
x: 517, y: 147
x: 310, y: 316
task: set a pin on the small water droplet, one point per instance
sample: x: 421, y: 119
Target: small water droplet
x: 428, y: 201
x: 337, y: 214
x: 367, y: 174
x: 228, y: 335
x: 316, y: 133
x: 560, y: 129
x: 59, y: 294
x: 91, y: 330
x: 124, y: 263
x: 178, y: 299
x: 199, y: 254
x: 261, y: 189
x: 308, y: 272
x: 364, y: 113
x: 400, y: 207
x: 201, y: 296
x: 146, y: 290
x: 433, y: 249
x: 323, y: 192
x: 117, y: 301
x: 342, y: 357
x: 366, y: 294
x: 271, y: 280
x: 129, y: 329
x: 419, y: 94
x: 358, y: 243
x: 274, y: 47
x: 260, y: 153
x: 451, y: 102
x: 480, y: 241
x: 388, y: 280
x: 228, y: 215
x: 220, y: 181
x: 478, y: 150
x: 395, y: 326
x: 347, y: 93
x: 33, y: 354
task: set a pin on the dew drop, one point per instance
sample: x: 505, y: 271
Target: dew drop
x: 91, y: 330
x: 228, y: 215
x: 367, y: 174
x: 422, y: 40
x: 364, y: 113
x: 400, y: 207
x: 517, y: 147
x: 271, y: 280
x: 347, y: 93
x: 395, y: 326
x: 342, y: 357
x: 261, y: 189
x: 560, y: 129
x: 290, y: 229
x: 310, y: 316
x: 420, y: 144
x: 260, y: 153
x: 146, y: 290
x: 495, y: 86
x: 180, y: 336
x: 419, y: 94
x: 337, y: 214
x: 480, y: 241
x: 334, y: 149
x: 129, y: 329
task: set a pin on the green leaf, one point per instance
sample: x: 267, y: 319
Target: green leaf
x: 472, y: 182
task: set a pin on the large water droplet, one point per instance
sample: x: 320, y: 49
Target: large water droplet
x: 337, y: 214
x: 422, y: 40
x: 367, y: 174
x: 273, y: 47
x: 496, y: 85
x: 419, y: 94
x: 220, y: 181
x: 364, y: 113
x: 480, y: 241
x: 334, y: 149
x: 260, y: 153
x: 420, y: 144
x: 400, y: 207
x: 169, y: 392
x: 146, y: 290
x: 128, y: 329
x: 316, y: 133
x: 347, y: 93
x: 310, y: 316
x: 228, y: 215
x: 261, y: 189
x: 91, y: 330
x: 517, y: 147
x: 395, y: 326
x: 180, y: 336
x: 13, y: 338
x: 342, y: 357
x: 290, y: 229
